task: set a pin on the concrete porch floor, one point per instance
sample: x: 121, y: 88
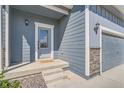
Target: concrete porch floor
x: 113, y: 78
x: 35, y: 67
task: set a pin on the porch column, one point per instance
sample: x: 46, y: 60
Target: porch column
x: 6, y: 36
x: 0, y: 39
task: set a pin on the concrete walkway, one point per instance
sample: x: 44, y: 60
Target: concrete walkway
x: 113, y: 78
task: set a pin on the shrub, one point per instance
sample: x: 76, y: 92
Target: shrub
x: 7, y: 84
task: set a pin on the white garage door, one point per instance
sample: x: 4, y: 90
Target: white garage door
x: 112, y: 52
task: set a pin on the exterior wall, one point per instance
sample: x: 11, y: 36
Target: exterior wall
x: 23, y: 37
x: 95, y: 18
x: 95, y: 38
x: 109, y: 13
x: 72, y: 39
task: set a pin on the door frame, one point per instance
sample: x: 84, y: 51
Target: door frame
x: 111, y: 32
x: 51, y: 27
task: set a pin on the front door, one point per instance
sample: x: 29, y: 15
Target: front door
x: 44, y: 42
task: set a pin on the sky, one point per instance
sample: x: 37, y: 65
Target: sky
x: 43, y: 36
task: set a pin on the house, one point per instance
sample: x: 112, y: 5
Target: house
x: 90, y: 38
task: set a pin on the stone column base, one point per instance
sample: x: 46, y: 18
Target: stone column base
x: 94, y: 61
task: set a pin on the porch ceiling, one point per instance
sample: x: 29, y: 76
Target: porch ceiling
x: 39, y: 10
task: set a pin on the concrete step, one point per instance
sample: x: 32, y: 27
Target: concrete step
x: 45, y: 60
x: 51, y: 71
x: 57, y: 83
x: 54, y: 77
x: 36, y: 67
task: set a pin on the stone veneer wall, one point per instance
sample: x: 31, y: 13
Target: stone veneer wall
x: 94, y: 61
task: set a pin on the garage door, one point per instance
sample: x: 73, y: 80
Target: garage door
x: 112, y: 52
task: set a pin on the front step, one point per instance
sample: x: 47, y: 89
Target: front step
x: 45, y: 60
x: 37, y: 67
x: 51, y: 71
x: 53, y: 75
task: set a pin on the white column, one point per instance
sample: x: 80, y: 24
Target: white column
x: 87, y: 47
x: 0, y: 39
x: 7, y: 36
x: 52, y: 42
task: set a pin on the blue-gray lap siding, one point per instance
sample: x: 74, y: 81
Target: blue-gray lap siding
x: 96, y: 18
x: 113, y: 49
x: 72, y: 39
x: 23, y: 37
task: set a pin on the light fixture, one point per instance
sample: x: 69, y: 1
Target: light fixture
x: 96, y: 27
x: 26, y: 22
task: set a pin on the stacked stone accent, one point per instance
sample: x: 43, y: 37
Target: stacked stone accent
x: 94, y: 61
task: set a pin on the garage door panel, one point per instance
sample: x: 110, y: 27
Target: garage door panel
x: 112, y: 52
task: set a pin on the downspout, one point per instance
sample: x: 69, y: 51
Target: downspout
x: 87, y: 47
x: 6, y: 36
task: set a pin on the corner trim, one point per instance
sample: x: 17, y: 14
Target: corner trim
x: 87, y: 47
x: 7, y: 36
x: 37, y: 24
x: 100, y: 50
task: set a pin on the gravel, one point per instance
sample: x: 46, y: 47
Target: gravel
x: 32, y: 81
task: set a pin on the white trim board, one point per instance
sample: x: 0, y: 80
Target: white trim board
x: 87, y: 47
x: 7, y: 36
x: 37, y: 24
x: 111, y: 32
x: 57, y: 9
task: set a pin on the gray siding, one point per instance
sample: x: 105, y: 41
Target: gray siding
x: 3, y: 34
x: 108, y: 12
x: 72, y: 39
x: 95, y: 18
x: 112, y: 52
x: 23, y: 37
x: 112, y: 47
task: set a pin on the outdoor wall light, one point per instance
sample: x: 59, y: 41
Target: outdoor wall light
x: 96, y: 27
x: 26, y: 22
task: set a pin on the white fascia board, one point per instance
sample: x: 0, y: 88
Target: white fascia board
x: 57, y: 9
x: 87, y: 47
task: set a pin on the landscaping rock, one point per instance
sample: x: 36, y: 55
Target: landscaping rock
x: 32, y: 81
